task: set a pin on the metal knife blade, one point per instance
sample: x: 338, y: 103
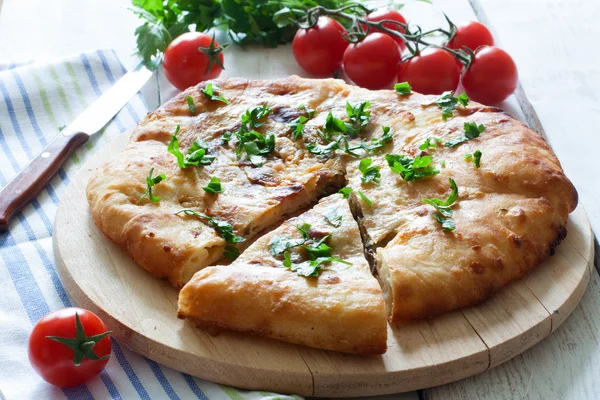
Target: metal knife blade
x: 101, y: 111
x: 25, y: 186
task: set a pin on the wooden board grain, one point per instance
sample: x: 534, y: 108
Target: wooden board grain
x: 141, y: 311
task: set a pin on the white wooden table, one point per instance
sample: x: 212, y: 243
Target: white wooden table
x: 554, y: 45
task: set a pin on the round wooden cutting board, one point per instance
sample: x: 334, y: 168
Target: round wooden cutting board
x: 141, y: 311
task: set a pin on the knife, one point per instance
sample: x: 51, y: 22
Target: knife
x: 31, y: 180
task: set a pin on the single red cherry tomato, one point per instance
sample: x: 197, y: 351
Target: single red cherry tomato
x: 319, y: 50
x: 471, y: 34
x: 491, y: 77
x: 191, y: 58
x: 66, y: 352
x: 383, y: 14
x: 432, y: 71
x: 372, y: 62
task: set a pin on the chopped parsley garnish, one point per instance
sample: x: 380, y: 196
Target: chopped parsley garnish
x: 472, y: 131
x: 297, y: 126
x: 370, y: 173
x: 403, y: 88
x: 317, y: 251
x: 321, y: 150
x: 333, y: 125
x: 214, y: 186
x: 345, y: 192
x: 224, y: 229
x: 151, y: 182
x: 333, y: 216
x: 370, y: 146
x: 365, y: 198
x: 444, y: 212
x: 191, y: 105
x: 359, y: 118
x: 254, y: 143
x: 411, y: 169
x: 197, y: 154
x: 213, y: 93
x: 475, y: 157
x: 447, y: 103
x: 431, y: 143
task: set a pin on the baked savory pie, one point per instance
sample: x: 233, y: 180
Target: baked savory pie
x: 453, y: 199
x: 341, y: 308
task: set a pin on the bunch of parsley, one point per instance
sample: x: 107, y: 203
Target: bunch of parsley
x: 244, y: 21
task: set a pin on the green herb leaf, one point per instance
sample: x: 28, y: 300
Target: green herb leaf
x: 151, y: 182
x: 214, y: 186
x: 197, y: 154
x: 280, y: 243
x: 372, y: 145
x: 333, y: 216
x: 213, y: 93
x: 358, y: 117
x: 365, y: 198
x: 447, y: 103
x: 472, y: 131
x: 403, y: 88
x: 224, y: 228
x: 345, y: 192
x: 191, y: 105
x: 321, y: 150
x: 310, y: 113
x: 370, y: 173
x: 444, y: 212
x: 297, y: 127
x: 411, y: 169
x: 475, y: 157
x: 431, y: 143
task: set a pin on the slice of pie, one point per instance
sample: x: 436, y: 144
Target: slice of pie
x: 307, y: 282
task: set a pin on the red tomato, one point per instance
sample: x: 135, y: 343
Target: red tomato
x: 319, y: 50
x: 472, y: 35
x: 382, y: 14
x: 491, y: 77
x: 192, y: 58
x: 372, y: 63
x: 433, y: 71
x: 54, y: 361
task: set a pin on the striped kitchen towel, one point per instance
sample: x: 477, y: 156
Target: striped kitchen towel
x: 36, y: 100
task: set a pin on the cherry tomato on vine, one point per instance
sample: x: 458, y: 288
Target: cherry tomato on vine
x: 191, y: 58
x: 372, y: 62
x: 432, y: 71
x: 382, y: 14
x: 491, y: 77
x: 471, y: 34
x: 68, y: 347
x: 319, y: 49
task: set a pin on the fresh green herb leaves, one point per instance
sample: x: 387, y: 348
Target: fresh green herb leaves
x: 321, y: 150
x: 403, y: 88
x: 224, y: 228
x: 297, y: 126
x: 151, y: 182
x: 317, y: 251
x: 345, y: 192
x: 254, y: 143
x: 334, y: 217
x: 191, y: 105
x: 411, y: 169
x: 475, y: 157
x: 370, y: 146
x: 213, y: 93
x: 214, y: 186
x: 472, y: 131
x: 358, y: 117
x: 369, y: 172
x: 444, y: 212
x: 365, y: 198
x: 430, y: 143
x: 197, y: 154
x: 447, y: 103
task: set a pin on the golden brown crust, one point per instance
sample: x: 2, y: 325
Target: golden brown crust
x: 510, y: 215
x: 342, y: 309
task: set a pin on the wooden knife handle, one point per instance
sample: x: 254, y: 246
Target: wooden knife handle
x: 32, y: 179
